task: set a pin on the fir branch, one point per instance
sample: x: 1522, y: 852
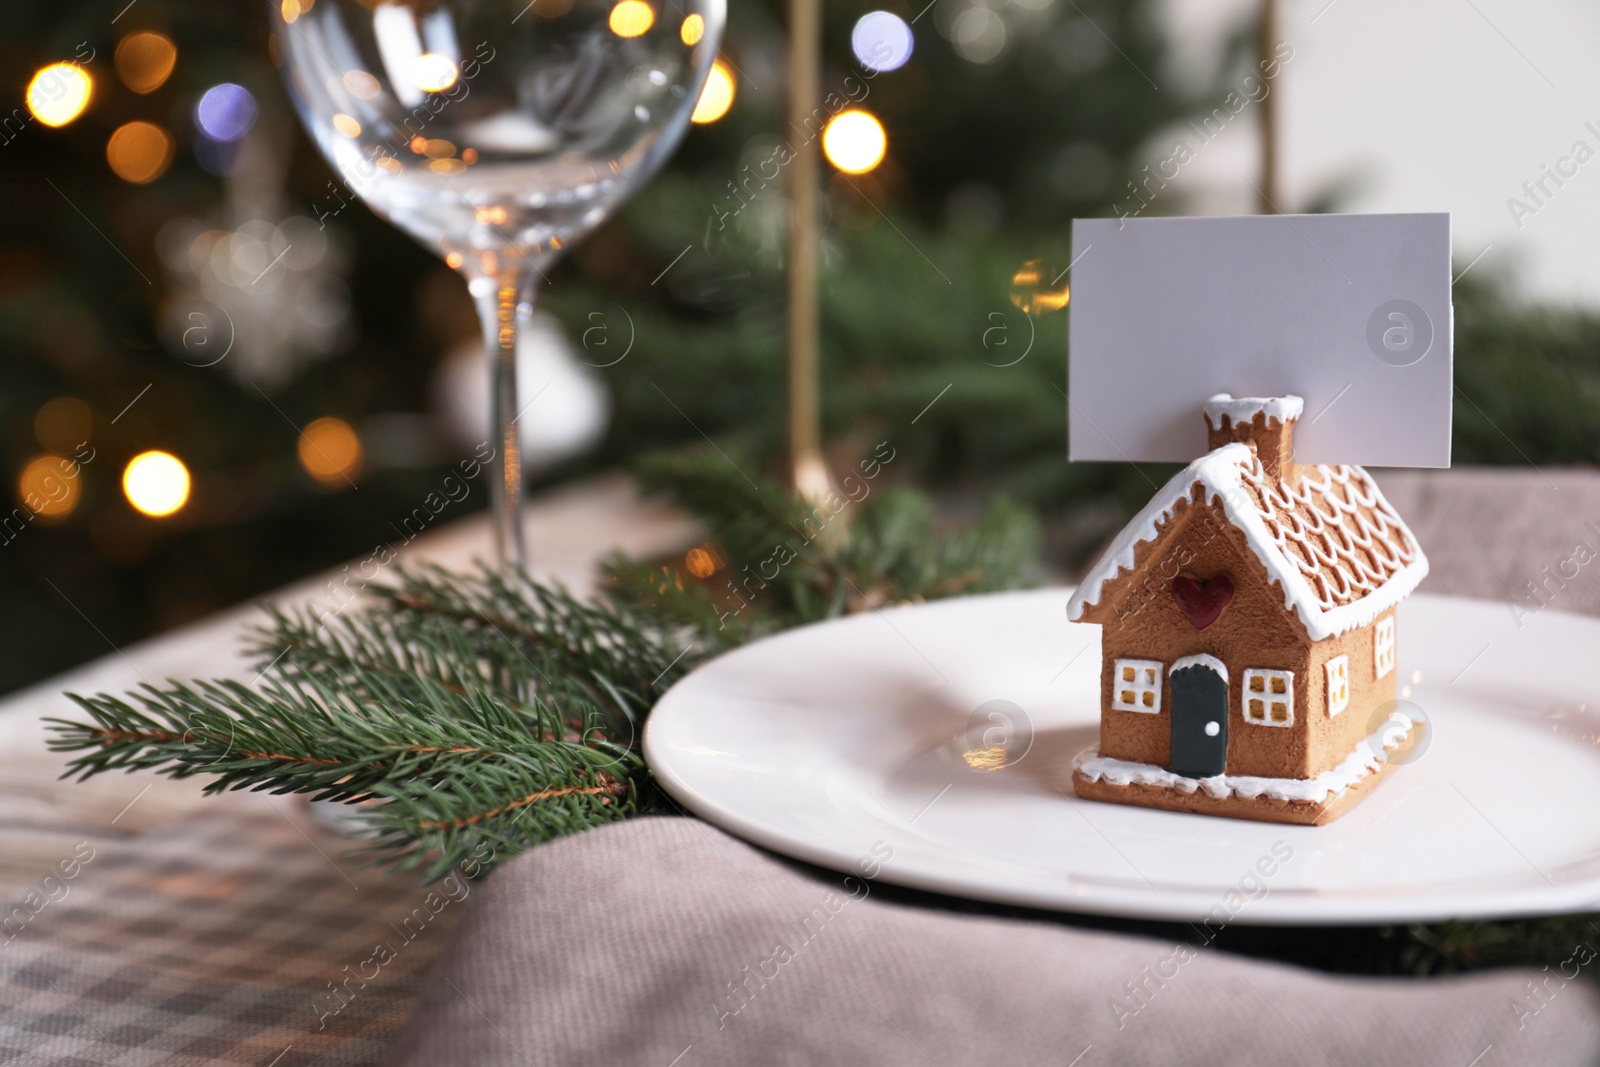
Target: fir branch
x: 616, y: 659
x: 473, y: 716
x: 491, y: 812
x: 689, y: 606
x: 340, y: 652
x: 298, y: 737
x: 793, y: 563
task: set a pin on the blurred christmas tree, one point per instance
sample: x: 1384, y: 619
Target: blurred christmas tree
x: 179, y: 273
x: 167, y: 283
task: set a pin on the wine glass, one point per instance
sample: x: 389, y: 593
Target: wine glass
x: 496, y: 133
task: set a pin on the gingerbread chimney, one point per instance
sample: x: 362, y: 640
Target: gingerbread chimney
x: 1265, y: 422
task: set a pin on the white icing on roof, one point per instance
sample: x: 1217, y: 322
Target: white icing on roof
x: 1200, y: 659
x: 1245, y: 408
x: 1338, y: 550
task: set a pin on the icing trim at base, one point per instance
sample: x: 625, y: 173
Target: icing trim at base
x: 1357, y: 765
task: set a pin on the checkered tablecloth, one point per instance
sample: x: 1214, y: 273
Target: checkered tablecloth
x: 229, y: 930
x: 240, y: 935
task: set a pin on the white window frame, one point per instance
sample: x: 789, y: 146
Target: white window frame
x: 1338, y: 684
x: 1383, y: 646
x: 1146, y: 682
x: 1260, y: 703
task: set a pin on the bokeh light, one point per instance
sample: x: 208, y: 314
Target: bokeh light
x: 979, y: 35
x: 59, y: 93
x: 693, y: 28
x: 330, y: 451
x: 362, y: 84
x: 882, y: 41
x: 630, y: 18
x: 144, y: 60
x: 717, y: 97
x: 63, y: 424
x: 290, y: 10
x: 700, y: 562
x: 139, y: 152
x: 433, y: 73
x: 854, y: 141
x: 986, y: 759
x: 347, y: 125
x: 156, y: 483
x: 226, y: 112
x: 49, y: 486
x: 1035, y: 289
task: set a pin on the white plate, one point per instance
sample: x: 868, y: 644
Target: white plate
x: 840, y: 743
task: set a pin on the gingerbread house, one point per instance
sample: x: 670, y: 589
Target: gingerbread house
x: 1247, y: 622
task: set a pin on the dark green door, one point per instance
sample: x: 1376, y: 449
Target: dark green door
x: 1199, y: 721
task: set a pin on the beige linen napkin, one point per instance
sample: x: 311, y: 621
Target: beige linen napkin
x: 666, y: 943
x: 663, y: 942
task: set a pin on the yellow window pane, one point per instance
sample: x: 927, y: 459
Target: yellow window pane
x: 1127, y: 674
x: 1126, y: 696
x: 1277, y: 686
x: 1257, y: 683
x: 1255, y: 709
x: 1149, y: 699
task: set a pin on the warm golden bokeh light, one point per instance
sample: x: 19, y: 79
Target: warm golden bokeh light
x: 854, y: 141
x: 290, y: 9
x: 48, y: 486
x: 347, y: 125
x: 330, y: 451
x: 717, y: 97
x: 144, y: 61
x: 433, y: 73
x: 59, y: 93
x: 156, y: 483
x: 630, y: 18
x: 700, y: 563
x: 63, y: 424
x: 985, y: 759
x: 1035, y: 291
x: 693, y: 28
x: 139, y: 152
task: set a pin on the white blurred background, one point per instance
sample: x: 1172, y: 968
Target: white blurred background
x: 1424, y: 105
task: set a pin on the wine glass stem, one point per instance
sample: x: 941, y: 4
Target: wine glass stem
x: 503, y: 304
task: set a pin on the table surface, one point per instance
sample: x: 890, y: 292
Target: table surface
x: 144, y: 923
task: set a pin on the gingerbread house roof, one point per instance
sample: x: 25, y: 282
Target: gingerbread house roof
x: 1338, y: 550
